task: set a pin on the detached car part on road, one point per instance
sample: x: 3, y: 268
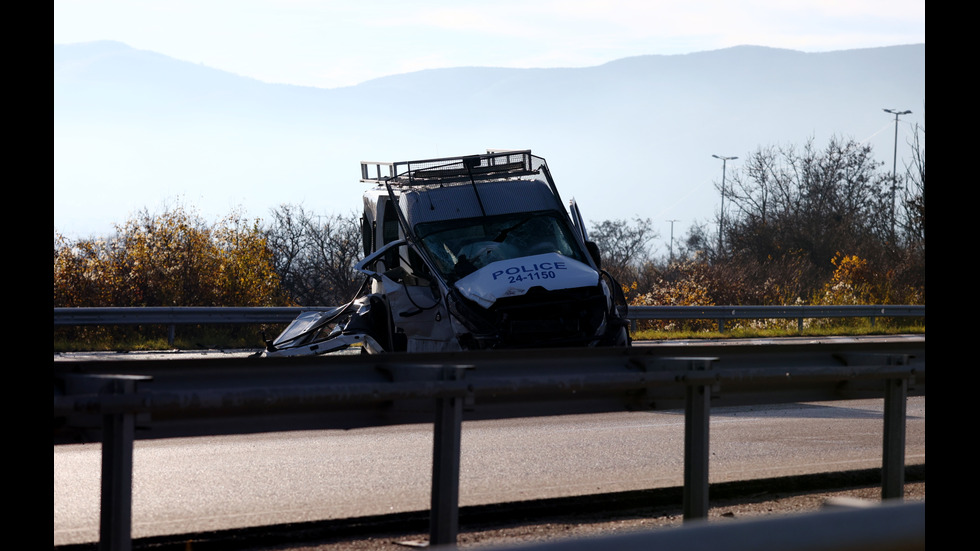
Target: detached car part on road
x: 472, y: 252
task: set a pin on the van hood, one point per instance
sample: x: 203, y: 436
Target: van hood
x: 514, y: 277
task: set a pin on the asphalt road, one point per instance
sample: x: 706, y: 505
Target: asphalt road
x: 190, y: 485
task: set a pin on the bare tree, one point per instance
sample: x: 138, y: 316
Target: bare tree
x: 786, y: 201
x: 914, y: 201
x: 315, y: 255
x: 624, y: 246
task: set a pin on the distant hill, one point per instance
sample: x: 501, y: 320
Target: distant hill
x: 630, y: 137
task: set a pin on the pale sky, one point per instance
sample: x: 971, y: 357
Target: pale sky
x: 331, y: 43
x: 328, y: 43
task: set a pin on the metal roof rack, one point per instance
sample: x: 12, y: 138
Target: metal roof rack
x: 496, y: 163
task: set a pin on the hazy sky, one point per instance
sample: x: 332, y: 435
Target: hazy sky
x: 327, y: 43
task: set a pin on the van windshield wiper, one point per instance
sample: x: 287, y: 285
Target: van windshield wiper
x: 503, y: 233
x: 469, y: 162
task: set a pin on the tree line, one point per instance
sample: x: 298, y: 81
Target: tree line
x: 802, y: 225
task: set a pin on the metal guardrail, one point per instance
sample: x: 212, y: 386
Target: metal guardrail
x: 111, y: 400
x: 176, y: 315
x: 891, y: 526
x: 723, y: 314
x: 192, y: 315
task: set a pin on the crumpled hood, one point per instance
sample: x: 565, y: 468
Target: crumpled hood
x: 513, y: 277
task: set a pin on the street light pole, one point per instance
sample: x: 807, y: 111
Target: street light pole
x: 895, y: 163
x: 721, y: 222
x: 671, y: 259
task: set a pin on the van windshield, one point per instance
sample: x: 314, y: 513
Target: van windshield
x: 460, y: 247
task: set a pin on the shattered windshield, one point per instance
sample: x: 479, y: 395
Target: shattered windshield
x: 460, y: 247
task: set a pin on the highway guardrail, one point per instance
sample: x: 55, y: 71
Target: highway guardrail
x: 117, y: 401
x: 200, y: 315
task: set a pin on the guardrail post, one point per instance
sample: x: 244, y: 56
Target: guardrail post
x: 118, y: 430
x: 893, y: 438
x: 893, y: 460
x: 444, y: 520
x: 696, y: 417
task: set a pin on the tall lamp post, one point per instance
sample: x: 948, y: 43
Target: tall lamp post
x: 895, y: 163
x: 721, y: 222
x: 671, y: 240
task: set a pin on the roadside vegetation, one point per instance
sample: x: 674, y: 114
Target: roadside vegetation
x: 810, y: 225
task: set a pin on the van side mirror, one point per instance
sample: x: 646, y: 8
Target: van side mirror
x: 594, y: 253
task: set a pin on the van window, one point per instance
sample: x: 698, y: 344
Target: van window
x: 389, y: 233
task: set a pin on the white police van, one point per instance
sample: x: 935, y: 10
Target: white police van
x: 463, y: 253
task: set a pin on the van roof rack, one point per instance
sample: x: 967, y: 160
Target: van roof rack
x: 496, y: 163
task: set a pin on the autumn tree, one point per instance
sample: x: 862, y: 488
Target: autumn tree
x: 170, y: 259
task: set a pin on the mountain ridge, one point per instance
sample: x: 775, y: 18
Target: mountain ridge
x: 632, y: 136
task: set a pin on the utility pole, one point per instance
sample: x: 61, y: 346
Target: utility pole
x: 895, y: 163
x: 721, y: 222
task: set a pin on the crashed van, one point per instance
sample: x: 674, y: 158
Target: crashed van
x: 468, y: 253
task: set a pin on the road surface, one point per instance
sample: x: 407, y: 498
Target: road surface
x: 189, y: 485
